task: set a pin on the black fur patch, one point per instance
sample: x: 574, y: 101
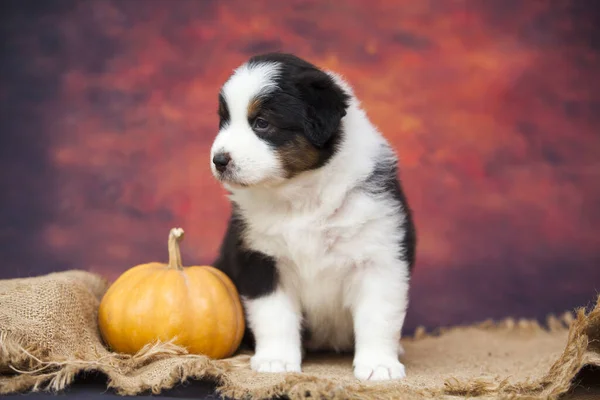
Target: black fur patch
x: 306, y: 107
x: 253, y: 273
x: 223, y: 112
x: 385, y: 180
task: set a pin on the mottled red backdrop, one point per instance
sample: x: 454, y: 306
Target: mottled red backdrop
x: 109, y: 109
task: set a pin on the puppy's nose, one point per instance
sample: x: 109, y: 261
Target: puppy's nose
x: 221, y: 160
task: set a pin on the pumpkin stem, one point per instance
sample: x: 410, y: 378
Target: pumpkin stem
x: 175, y: 236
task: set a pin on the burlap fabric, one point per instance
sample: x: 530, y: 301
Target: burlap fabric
x: 48, y: 333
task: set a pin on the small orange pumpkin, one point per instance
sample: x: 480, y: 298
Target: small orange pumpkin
x: 197, y: 307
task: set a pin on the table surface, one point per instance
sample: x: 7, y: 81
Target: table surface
x: 93, y: 387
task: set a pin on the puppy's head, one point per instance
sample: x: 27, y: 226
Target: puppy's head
x: 279, y: 116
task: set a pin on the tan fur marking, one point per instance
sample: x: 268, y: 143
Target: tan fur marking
x: 253, y: 107
x: 297, y: 156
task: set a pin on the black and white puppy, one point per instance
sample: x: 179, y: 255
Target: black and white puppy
x: 321, y: 241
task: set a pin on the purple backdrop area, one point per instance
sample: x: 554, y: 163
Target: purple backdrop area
x: 108, y: 109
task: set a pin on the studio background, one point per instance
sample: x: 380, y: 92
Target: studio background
x: 108, y: 111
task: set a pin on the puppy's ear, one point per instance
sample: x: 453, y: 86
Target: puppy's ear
x: 326, y: 105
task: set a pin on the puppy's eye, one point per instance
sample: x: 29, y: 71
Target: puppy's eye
x: 260, y: 124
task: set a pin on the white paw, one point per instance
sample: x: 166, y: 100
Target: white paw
x: 378, y: 368
x: 260, y: 363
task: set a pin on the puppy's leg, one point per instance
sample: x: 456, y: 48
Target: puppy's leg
x: 379, y: 309
x: 275, y: 323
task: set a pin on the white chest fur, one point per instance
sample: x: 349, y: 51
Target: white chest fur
x: 320, y: 251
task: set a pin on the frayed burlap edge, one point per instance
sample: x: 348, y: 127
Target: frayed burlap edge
x: 126, y: 373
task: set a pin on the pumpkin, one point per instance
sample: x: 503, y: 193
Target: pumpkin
x: 196, y: 307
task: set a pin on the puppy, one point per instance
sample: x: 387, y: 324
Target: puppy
x: 321, y: 241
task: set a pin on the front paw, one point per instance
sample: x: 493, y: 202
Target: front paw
x: 276, y: 361
x: 378, y: 368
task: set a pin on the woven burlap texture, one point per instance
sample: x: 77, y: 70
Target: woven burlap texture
x: 49, y: 333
